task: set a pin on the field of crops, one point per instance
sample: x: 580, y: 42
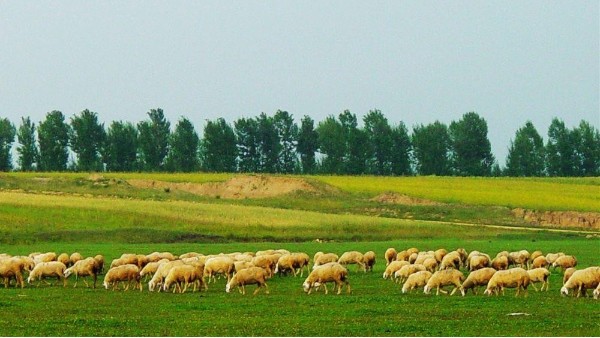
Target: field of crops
x: 71, y: 212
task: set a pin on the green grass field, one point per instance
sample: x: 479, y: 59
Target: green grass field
x: 69, y: 212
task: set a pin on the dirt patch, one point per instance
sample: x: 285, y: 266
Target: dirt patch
x: 235, y: 188
x: 588, y: 220
x: 394, y: 198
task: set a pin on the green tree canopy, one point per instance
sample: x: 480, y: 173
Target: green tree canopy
x: 587, y: 149
x: 560, y: 150
x: 28, y: 150
x: 154, y: 140
x: 287, y: 132
x: 87, y: 137
x: 471, y: 149
x: 120, y: 148
x: 183, y: 152
x: 332, y: 145
x: 269, y: 145
x: 380, y: 142
x: 246, y: 133
x: 401, y: 150
x: 308, y: 144
x: 219, y: 151
x: 431, y: 146
x: 7, y: 137
x: 53, y: 136
x: 526, y: 153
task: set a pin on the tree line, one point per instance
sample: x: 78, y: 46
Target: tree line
x: 277, y: 144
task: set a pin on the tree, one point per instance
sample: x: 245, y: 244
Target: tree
x: 526, y: 153
x: 269, y: 144
x: 431, y: 146
x: 356, y: 147
x: 401, y: 149
x: 120, y: 148
x: 87, y: 137
x: 379, y: 139
x: 332, y: 145
x: 53, y: 137
x: 587, y: 149
x: 560, y: 150
x: 28, y: 151
x: 471, y: 149
x: 287, y: 132
x: 246, y: 133
x: 183, y: 152
x: 154, y: 140
x: 308, y: 144
x: 219, y: 151
x: 7, y: 137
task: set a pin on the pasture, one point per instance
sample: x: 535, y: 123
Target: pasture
x: 70, y: 212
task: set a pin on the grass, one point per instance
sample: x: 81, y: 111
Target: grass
x: 71, y: 212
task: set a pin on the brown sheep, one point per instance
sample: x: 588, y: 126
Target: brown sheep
x: 369, y: 260
x: 500, y: 263
x: 390, y: 255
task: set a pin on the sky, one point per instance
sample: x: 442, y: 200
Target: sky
x: 416, y: 61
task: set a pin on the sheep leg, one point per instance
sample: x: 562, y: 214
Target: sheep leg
x: 325, y: 287
x: 243, y: 289
x: 266, y: 288
x: 85, y: 282
x: 185, y: 287
x: 95, y: 278
x: 535, y: 287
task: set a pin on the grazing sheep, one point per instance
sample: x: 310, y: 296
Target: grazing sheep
x: 353, y: 257
x: 392, y: 268
x: 13, y: 268
x: 301, y: 262
x: 519, y: 258
x: 390, y: 255
x: 422, y: 257
x: 534, y: 255
x: 330, y: 272
x: 442, y: 278
x: 596, y: 292
x: 45, y: 257
x: 122, y: 273
x: 267, y: 262
x: 189, y: 255
x: 64, y: 258
x: 413, y: 258
x: 417, y: 279
x: 565, y: 262
x: 185, y: 274
x: 325, y: 258
x: 439, y: 254
x: 369, y: 260
x: 100, y: 261
x: 401, y: 275
x: 285, y: 263
x: 463, y: 255
x: 539, y: 262
x: 253, y: 275
x: 500, y: 262
x: 539, y: 275
x: 83, y: 268
x: 451, y: 260
x: 568, y: 273
x: 430, y: 264
x: 479, y: 262
x: 477, y: 278
x: 412, y: 251
x: 124, y: 260
x: 512, y: 278
x: 75, y: 257
x: 240, y: 265
x: 403, y: 255
x: 161, y: 273
x: 551, y: 257
x: 222, y: 265
x: 48, y: 269
x: 581, y: 280
x: 157, y: 256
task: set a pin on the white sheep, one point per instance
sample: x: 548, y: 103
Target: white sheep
x: 535, y: 255
x: 565, y: 262
x: 439, y: 254
x: 185, y: 274
x: 369, y: 260
x: 392, y: 268
x: 500, y: 262
x: 477, y: 278
x: 430, y: 264
x: 222, y: 265
x: 403, y: 255
x: 330, y: 272
x: 401, y: 275
x: 415, y: 280
x: 596, y: 292
x: 267, y: 262
x: 353, y: 257
x: 123, y: 273
x: 100, y: 261
x: 478, y: 262
x: 150, y: 269
x: 45, y: 257
x: 48, y: 269
x: 581, y: 280
x: 451, y: 260
x: 512, y: 278
x: 285, y: 263
x: 552, y: 257
x: 240, y: 265
x: 539, y: 262
x: 325, y: 258
x: 14, y: 267
x: 519, y: 258
x: 539, y: 275
x: 75, y: 257
x: 64, y: 258
x: 161, y: 273
x: 83, y: 268
x: 249, y: 276
x: 567, y: 274
x: 390, y: 255
x: 442, y: 278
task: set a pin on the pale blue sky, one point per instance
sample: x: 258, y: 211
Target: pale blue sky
x: 417, y: 61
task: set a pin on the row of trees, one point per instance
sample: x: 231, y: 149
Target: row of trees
x: 276, y: 144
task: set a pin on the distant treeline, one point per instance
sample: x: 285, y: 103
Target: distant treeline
x: 277, y: 144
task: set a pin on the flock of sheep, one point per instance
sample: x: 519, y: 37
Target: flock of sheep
x: 412, y: 268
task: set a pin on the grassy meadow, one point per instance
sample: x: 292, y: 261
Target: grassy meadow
x: 102, y: 214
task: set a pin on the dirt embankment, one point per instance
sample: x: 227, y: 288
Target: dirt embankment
x: 588, y: 220
x: 394, y: 198
x: 236, y: 188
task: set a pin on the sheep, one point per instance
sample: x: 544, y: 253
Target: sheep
x: 403, y: 256
x: 64, y: 258
x: 75, y: 257
x: 284, y: 263
x: 267, y: 262
x: 512, y: 278
x: 539, y: 275
x: 161, y: 273
x: 477, y: 278
x: 157, y: 256
x: 301, y: 261
x: 141, y: 261
x: 442, y: 278
x: 122, y: 273
x: 535, y: 255
x: 551, y: 257
x: 84, y: 267
x: 463, y: 255
x: 479, y: 262
x: 150, y: 268
x: 390, y: 255
x: 253, y: 275
x: 568, y: 273
x: 44, y: 257
x: 392, y: 268
x: 189, y: 254
x: 500, y: 262
x: 519, y: 258
x: 430, y: 264
x: 539, y: 262
x: 412, y: 251
x: 596, y: 292
x: 401, y: 275
x: 187, y: 274
x: 240, y: 265
x: 48, y: 269
x: 123, y: 261
x: 439, y: 254
x: 422, y: 257
x: 13, y: 268
x: 325, y: 258
x: 565, y: 262
x: 451, y: 260
x: 417, y: 279
x: 330, y: 272
x: 369, y: 260
x: 582, y: 280
x: 353, y: 257
x: 219, y: 265
x: 413, y: 258
x: 100, y: 261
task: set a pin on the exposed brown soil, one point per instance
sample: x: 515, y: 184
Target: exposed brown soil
x: 588, y: 220
x: 235, y: 188
x: 394, y: 198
